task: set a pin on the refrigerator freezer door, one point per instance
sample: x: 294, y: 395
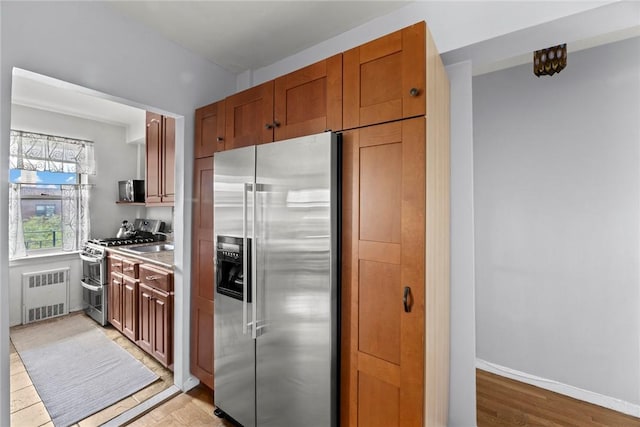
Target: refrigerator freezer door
x: 234, y: 351
x: 296, y: 217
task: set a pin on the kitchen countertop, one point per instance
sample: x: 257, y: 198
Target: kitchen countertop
x: 162, y: 259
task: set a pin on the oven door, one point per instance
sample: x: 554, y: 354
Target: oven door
x: 93, y: 271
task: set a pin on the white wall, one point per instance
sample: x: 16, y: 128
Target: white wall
x: 557, y: 207
x: 86, y: 43
x: 462, y: 390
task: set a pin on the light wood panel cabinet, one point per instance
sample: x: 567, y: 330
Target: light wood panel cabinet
x: 384, y: 262
x: 395, y: 234
x: 160, y: 160
x: 210, y: 130
x: 384, y: 79
x: 309, y: 100
x: 395, y: 218
x: 304, y: 102
x: 202, y: 273
x: 249, y: 117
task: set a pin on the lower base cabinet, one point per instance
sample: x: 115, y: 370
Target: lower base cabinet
x: 155, y: 313
x: 140, y: 305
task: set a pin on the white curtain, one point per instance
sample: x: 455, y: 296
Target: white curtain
x: 39, y: 152
x: 75, y: 216
x: 17, y: 248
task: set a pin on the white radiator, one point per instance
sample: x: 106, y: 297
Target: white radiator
x: 45, y: 294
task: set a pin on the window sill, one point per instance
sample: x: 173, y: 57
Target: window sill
x: 43, y: 257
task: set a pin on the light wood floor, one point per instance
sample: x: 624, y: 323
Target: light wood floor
x: 505, y: 402
x: 27, y: 409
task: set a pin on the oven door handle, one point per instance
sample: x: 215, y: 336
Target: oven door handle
x: 89, y: 258
x: 90, y: 287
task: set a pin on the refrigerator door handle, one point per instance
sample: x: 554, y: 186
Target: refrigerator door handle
x: 254, y: 261
x: 246, y: 187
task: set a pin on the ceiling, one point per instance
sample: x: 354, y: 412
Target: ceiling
x: 247, y: 35
x: 241, y: 35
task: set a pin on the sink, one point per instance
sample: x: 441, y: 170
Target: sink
x: 161, y: 247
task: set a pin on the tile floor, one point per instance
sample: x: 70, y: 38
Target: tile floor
x: 27, y: 409
x: 191, y: 409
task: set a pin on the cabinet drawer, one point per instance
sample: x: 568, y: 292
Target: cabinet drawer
x: 130, y: 268
x: 156, y: 277
x: 115, y: 264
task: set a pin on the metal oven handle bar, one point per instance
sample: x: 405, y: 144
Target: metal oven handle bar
x: 90, y: 287
x: 90, y: 258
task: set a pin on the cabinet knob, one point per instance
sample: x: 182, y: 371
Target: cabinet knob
x: 268, y: 126
x: 414, y: 91
x: 276, y: 123
x: 219, y: 139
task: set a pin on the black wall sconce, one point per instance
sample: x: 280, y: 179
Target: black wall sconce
x: 550, y: 60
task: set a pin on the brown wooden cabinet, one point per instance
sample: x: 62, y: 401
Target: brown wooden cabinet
x: 249, y: 117
x: 130, y: 307
x: 160, y: 160
x: 309, y: 100
x: 210, y: 130
x: 114, y: 307
x: 395, y: 233
x: 155, y: 313
x: 384, y: 253
x: 303, y: 102
x: 123, y: 295
x: 202, y: 273
x: 384, y: 79
x: 395, y: 218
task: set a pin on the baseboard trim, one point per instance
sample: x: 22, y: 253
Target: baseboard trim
x: 139, y: 410
x: 558, y: 387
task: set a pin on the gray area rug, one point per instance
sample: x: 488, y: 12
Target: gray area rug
x: 76, y: 369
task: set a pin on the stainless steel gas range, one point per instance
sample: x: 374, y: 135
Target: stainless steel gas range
x: 94, y: 266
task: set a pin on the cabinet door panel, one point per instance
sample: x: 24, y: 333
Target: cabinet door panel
x: 202, y: 340
x: 202, y: 273
x: 130, y: 308
x: 153, y: 148
x: 379, y: 77
x: 209, y: 131
x: 383, y: 382
x: 145, y: 317
x: 162, y: 326
x: 309, y: 100
x: 249, y: 117
x: 168, y: 160
x: 114, y: 310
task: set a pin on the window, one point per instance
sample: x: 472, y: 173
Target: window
x: 48, y: 206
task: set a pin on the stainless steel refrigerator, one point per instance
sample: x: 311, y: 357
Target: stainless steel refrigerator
x: 276, y: 286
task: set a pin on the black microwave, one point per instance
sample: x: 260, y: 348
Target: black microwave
x: 131, y: 190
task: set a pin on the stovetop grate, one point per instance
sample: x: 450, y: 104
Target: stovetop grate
x: 115, y: 241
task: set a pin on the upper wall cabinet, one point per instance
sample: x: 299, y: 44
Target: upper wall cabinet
x: 210, y: 131
x: 309, y: 100
x: 384, y: 79
x: 249, y: 117
x: 303, y: 102
x: 161, y: 148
